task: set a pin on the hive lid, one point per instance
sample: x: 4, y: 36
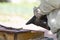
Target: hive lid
x: 10, y: 29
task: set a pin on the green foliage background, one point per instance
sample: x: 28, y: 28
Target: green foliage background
x: 23, y: 9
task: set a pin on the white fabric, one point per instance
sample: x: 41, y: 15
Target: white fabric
x: 47, y: 6
x: 55, y: 3
x: 54, y: 20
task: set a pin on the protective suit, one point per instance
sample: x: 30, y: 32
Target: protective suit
x: 46, y: 7
x: 54, y: 20
x: 51, y: 8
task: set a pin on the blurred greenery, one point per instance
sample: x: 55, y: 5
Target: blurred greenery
x: 23, y: 9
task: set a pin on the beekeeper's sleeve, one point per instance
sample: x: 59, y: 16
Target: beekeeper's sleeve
x: 47, y: 6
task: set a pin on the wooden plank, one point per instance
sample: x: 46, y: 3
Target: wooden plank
x: 29, y: 35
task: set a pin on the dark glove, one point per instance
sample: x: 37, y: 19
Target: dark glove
x: 42, y: 22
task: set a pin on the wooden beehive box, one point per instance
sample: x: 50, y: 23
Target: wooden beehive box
x: 22, y: 34
x: 29, y: 35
